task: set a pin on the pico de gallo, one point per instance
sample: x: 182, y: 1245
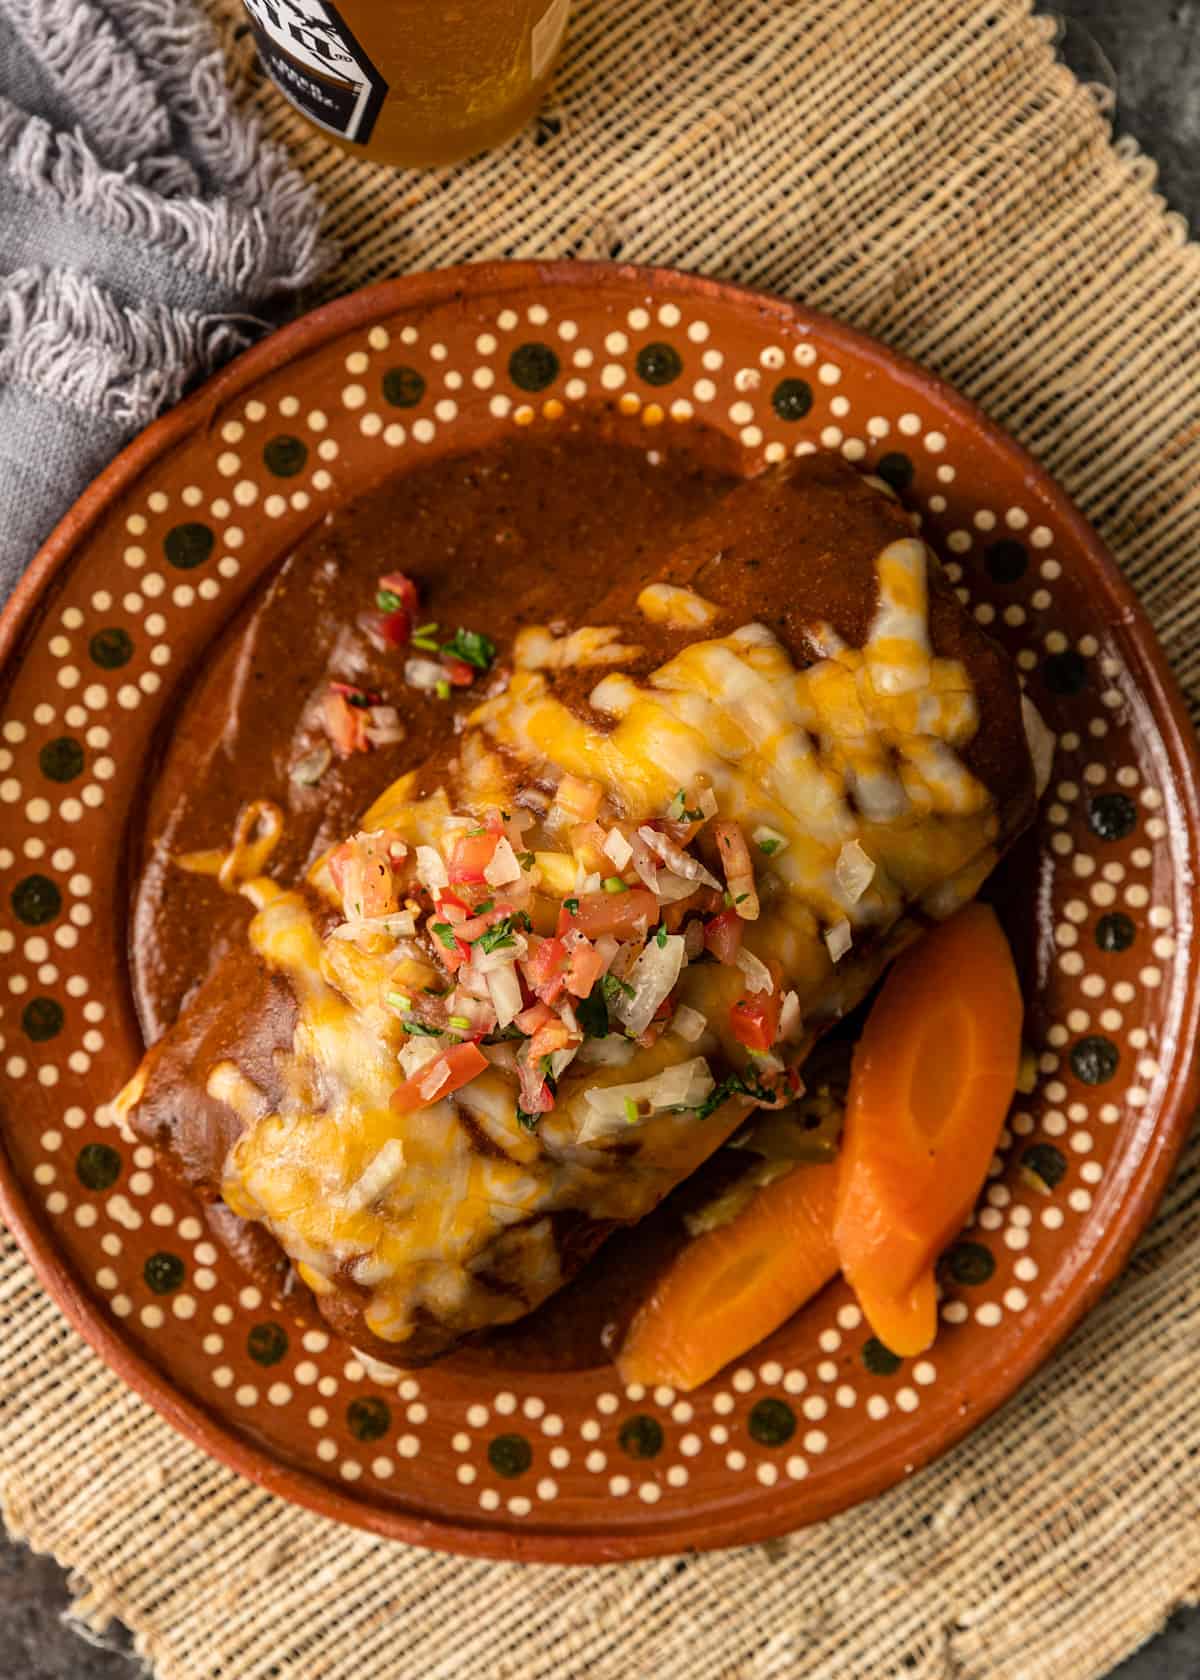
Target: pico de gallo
x: 496, y: 965
x: 355, y: 719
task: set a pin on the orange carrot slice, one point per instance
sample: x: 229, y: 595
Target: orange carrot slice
x: 932, y: 1079
x: 731, y: 1287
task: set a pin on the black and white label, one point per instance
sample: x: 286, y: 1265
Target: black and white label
x: 312, y: 57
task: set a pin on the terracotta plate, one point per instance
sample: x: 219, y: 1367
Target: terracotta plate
x: 569, y: 1466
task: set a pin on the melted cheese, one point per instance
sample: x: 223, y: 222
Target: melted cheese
x: 856, y: 754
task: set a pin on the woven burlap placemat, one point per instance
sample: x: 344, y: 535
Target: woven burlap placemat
x: 927, y: 170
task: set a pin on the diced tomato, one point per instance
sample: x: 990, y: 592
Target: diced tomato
x: 470, y: 856
x: 387, y: 630
x: 346, y: 725
x: 621, y: 914
x: 338, y: 860
x: 529, y: 1020
x: 554, y: 1035
x: 376, y: 884
x: 450, y: 956
x: 754, y: 1020
x: 463, y: 1063
x: 458, y: 673
x: 545, y: 960
x: 475, y: 925
x: 704, y: 900
x: 723, y: 936
x: 403, y: 587
x: 585, y: 965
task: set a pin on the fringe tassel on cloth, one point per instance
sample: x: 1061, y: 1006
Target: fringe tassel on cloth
x: 147, y: 232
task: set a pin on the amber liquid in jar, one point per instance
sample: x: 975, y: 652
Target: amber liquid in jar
x: 412, y: 82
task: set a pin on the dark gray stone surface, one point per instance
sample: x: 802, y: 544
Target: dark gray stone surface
x: 1151, y: 48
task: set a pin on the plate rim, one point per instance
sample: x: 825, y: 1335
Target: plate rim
x: 1155, y: 681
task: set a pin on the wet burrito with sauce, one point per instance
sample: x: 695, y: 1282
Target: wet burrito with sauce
x: 557, y: 965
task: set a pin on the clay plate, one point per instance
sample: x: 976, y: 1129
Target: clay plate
x: 568, y: 1466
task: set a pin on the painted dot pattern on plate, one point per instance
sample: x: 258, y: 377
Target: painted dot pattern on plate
x: 183, y: 546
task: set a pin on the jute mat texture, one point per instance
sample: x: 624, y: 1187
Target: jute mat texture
x: 928, y: 171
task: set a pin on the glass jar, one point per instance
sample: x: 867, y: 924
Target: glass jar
x: 412, y: 82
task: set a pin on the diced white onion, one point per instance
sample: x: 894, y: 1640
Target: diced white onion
x: 790, y: 1019
x: 400, y: 924
x: 769, y: 840
x: 309, y: 769
x: 415, y: 1052
x: 435, y: 1080
x: 758, y: 975
x: 652, y: 977
x: 378, y: 1176
x: 562, y: 1059
x: 431, y: 867
x: 503, y: 867
x: 613, y: 1051
x: 838, y: 939
x: 385, y: 727
x: 854, y: 870
x: 707, y: 801
x: 676, y: 859
x: 487, y: 962
x: 688, y: 1023
x: 684, y: 1086
x: 423, y: 673
x: 617, y: 847
x: 504, y: 989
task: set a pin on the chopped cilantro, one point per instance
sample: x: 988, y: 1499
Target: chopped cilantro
x: 614, y: 988
x: 733, y: 1085
x: 525, y: 859
x: 660, y: 936
x: 387, y: 600
x: 770, y: 847
x: 425, y: 638
x: 445, y: 933
x: 425, y: 629
x: 501, y: 1035
x: 571, y: 906
x: 488, y: 904
x: 522, y: 916
x: 592, y: 1012
x: 729, y: 901
x: 741, y: 898
x: 614, y: 884
x: 527, y: 1122
x: 498, y: 937
x: 683, y: 814
x: 419, y: 1030
x: 442, y: 690
x: 472, y: 646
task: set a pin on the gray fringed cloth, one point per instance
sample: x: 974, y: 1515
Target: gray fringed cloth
x: 147, y: 232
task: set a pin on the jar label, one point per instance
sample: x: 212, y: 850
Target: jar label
x: 547, y: 35
x: 312, y: 57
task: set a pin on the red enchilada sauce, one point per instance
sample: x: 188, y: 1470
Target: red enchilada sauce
x: 533, y: 531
